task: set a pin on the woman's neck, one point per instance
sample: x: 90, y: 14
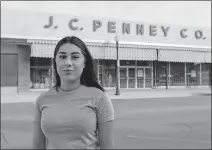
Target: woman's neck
x: 69, y: 85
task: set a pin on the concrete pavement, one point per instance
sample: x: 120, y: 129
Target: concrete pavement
x: 124, y: 94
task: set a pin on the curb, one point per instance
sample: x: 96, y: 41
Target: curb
x: 113, y: 99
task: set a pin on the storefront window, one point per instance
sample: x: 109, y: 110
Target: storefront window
x: 192, y: 74
x: 206, y: 74
x: 107, y: 73
x: 40, y: 73
x: 144, y: 63
x: 127, y: 62
x: 161, y: 73
x: 177, y: 77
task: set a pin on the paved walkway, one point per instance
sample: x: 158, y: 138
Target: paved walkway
x: 124, y: 94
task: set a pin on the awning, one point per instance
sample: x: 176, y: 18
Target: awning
x: 184, y: 56
x: 42, y: 50
x: 45, y: 49
x: 125, y: 53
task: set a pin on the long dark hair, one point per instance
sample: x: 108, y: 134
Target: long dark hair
x: 89, y: 74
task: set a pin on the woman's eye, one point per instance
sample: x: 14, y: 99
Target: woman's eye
x: 75, y: 57
x: 62, y: 57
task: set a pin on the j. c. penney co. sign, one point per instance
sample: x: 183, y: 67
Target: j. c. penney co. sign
x: 126, y: 28
x: 46, y: 25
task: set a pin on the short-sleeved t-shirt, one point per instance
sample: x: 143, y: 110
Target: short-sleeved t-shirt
x: 69, y: 120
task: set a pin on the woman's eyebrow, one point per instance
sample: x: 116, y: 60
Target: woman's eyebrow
x: 70, y: 53
x: 62, y: 52
x: 76, y: 53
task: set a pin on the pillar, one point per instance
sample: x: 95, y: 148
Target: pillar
x: 152, y: 74
x: 185, y: 75
x: 136, y: 86
x: 200, y: 73
x: 169, y: 73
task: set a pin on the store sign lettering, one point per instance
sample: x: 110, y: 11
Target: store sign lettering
x: 126, y: 28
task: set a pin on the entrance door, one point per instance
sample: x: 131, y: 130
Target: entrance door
x: 128, y: 78
x: 9, y: 72
x: 144, y: 78
x: 148, y: 78
x: 140, y: 78
x: 123, y: 77
x: 131, y: 77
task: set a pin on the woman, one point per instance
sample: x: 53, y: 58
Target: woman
x: 76, y: 113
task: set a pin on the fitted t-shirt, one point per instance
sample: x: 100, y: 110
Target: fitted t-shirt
x: 69, y: 120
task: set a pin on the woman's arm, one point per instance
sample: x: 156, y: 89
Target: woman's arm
x: 38, y: 139
x: 105, y: 114
x: 105, y: 132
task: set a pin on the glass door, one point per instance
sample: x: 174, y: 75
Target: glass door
x: 123, y: 77
x: 148, y: 78
x: 140, y: 77
x: 131, y: 77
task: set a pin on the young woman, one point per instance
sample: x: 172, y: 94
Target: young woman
x: 76, y: 113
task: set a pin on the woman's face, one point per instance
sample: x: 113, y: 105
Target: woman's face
x: 70, y: 62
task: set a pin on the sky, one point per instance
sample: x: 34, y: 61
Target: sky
x: 186, y: 13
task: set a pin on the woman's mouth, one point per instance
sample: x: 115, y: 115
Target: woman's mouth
x: 68, y: 71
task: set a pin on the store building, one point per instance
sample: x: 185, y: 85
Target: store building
x: 150, y: 55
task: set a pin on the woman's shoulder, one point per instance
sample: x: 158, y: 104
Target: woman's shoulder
x: 45, y: 94
x: 93, y: 91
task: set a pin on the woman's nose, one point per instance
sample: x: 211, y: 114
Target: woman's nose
x: 68, y: 62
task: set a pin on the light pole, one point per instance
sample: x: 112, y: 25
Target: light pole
x: 117, y: 66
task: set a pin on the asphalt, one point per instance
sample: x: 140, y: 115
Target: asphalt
x: 167, y: 123
x: 124, y: 94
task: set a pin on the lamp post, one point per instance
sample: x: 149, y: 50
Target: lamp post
x: 117, y: 66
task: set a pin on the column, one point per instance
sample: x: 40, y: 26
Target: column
x: 136, y: 74
x: 200, y: 73
x: 152, y: 74
x: 127, y: 77
x: 169, y: 68
x: 118, y: 71
x: 155, y: 76
x: 185, y: 75
x: 167, y: 76
x: 144, y: 85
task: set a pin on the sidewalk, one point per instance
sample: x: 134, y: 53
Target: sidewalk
x: 159, y: 93
x: 124, y: 94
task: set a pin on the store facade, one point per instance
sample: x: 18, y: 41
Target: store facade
x: 150, y: 56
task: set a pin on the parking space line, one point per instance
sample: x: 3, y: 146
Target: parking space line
x: 169, y: 139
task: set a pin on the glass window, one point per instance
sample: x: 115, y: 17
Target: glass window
x: 127, y: 62
x: 107, y: 73
x: 40, y: 73
x: 161, y: 72
x: 206, y: 74
x: 132, y: 72
x: 192, y: 74
x: 177, y: 74
x: 144, y: 63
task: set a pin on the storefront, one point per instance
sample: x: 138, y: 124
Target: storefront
x: 15, y: 67
x: 150, y: 56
